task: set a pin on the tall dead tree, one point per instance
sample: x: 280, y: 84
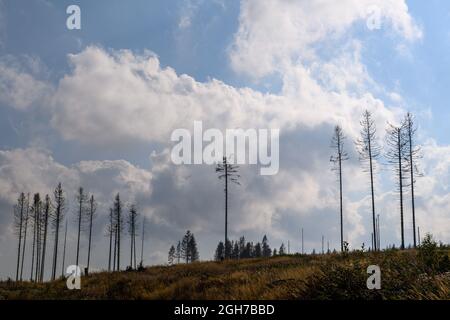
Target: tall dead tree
x: 39, y: 236
x: 396, y: 155
x: 132, y: 225
x: 413, y: 155
x: 339, y: 156
x: 110, y: 230
x: 118, y: 220
x: 35, y: 218
x: 91, y: 214
x: 57, y: 218
x: 378, y: 233
x: 369, y: 150
x: 27, y: 217
x: 19, y: 219
x: 45, y: 217
x: 115, y: 242
x: 229, y: 173
x: 64, y: 252
x: 142, y: 245
x: 81, y: 199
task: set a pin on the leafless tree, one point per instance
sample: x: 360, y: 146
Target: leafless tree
x: 132, y: 226
x: 110, y: 230
x: 35, y: 218
x: 27, y: 217
x: 413, y: 155
x: 369, y: 150
x: 118, y: 222
x: 396, y: 155
x: 142, y: 245
x: 81, y: 213
x: 64, y: 252
x: 45, y: 216
x: 19, y: 219
x: 229, y: 173
x: 91, y: 215
x: 339, y: 156
x: 57, y: 219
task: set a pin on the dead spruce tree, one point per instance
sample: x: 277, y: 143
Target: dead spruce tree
x: 369, y: 150
x: 132, y: 227
x: 19, y: 222
x: 396, y: 155
x: 35, y: 218
x: 141, y: 264
x: 413, y: 155
x: 64, y: 252
x: 118, y: 222
x: 27, y: 216
x: 229, y: 173
x: 339, y: 156
x: 90, y: 219
x: 80, y: 214
x: 110, y: 230
x: 57, y: 219
x: 46, y: 213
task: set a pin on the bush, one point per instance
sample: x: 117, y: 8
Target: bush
x: 429, y: 254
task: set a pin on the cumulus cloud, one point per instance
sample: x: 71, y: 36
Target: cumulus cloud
x: 113, y: 96
x: 275, y: 34
x: 19, y: 86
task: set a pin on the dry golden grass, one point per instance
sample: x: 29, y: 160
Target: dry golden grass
x: 330, y: 276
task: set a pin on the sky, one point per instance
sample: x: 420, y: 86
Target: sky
x: 95, y: 107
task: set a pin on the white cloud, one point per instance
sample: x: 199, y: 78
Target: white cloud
x: 35, y: 170
x: 118, y: 96
x: 19, y: 88
x: 275, y: 34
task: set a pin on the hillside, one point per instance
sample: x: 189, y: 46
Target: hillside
x: 409, y: 274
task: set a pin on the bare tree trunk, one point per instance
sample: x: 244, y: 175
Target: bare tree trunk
x: 411, y: 169
x: 25, y: 236
x: 34, y: 244
x: 373, y: 196
x: 131, y: 245
x: 64, y: 253
x: 91, y: 216
x: 89, y: 242
x: 118, y: 243
x: 38, y: 243
x: 21, y: 210
x: 110, y: 230
x: 134, y: 246
x: 44, y: 245
x: 229, y: 173
x: 80, y: 198
x: 340, y: 202
x: 400, y: 168
x: 142, y: 245
x: 337, y: 143
x: 115, y: 248
x: 59, y: 215
x: 55, y: 250
x: 226, y: 209
x: 369, y: 150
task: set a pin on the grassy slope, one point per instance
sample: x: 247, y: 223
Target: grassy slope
x: 405, y: 275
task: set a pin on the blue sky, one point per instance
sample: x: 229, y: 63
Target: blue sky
x: 301, y: 66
